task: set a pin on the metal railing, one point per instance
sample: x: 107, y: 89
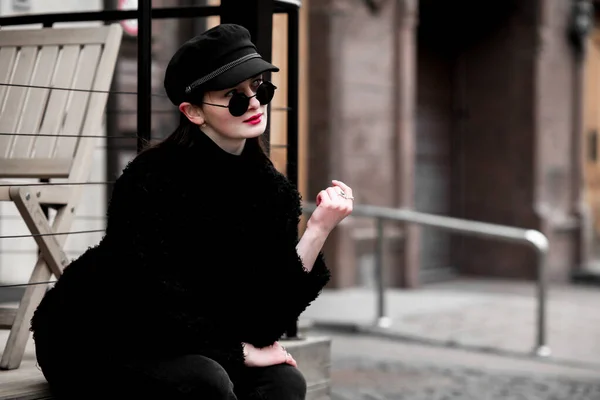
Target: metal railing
x: 534, y: 238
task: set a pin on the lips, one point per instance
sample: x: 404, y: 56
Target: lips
x: 254, y: 119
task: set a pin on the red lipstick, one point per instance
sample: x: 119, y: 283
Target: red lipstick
x: 255, y: 119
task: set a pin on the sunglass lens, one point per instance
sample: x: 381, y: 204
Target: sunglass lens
x: 238, y: 104
x: 265, y: 92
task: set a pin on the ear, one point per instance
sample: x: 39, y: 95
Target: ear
x: 192, y: 112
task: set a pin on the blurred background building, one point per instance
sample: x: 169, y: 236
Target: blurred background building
x: 465, y: 108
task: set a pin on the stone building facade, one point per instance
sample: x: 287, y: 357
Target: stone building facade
x: 462, y: 108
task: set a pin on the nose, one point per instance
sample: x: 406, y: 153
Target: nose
x: 254, y: 103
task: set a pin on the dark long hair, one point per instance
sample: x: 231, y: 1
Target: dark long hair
x: 185, y: 133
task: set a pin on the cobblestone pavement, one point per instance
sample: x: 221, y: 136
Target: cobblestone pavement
x: 357, y: 379
x: 371, y: 368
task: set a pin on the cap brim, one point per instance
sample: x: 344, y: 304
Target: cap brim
x: 240, y: 73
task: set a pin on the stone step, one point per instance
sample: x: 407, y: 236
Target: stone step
x: 312, y: 353
x: 305, y: 325
x: 589, y: 275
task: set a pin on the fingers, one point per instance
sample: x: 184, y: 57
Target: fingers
x: 334, y: 194
x: 338, y: 192
x: 339, y: 200
x: 287, y: 357
x: 290, y: 360
x: 343, y: 186
x: 323, y: 197
x: 343, y: 190
x: 334, y: 204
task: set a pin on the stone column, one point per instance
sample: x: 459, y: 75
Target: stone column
x: 580, y: 210
x: 405, y: 90
x: 558, y: 130
x: 325, y: 64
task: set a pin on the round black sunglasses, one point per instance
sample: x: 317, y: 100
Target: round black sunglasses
x: 239, y: 102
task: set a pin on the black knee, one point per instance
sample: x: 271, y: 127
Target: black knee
x: 202, y: 377
x: 295, y: 383
x: 285, y: 382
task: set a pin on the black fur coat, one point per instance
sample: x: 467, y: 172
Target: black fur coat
x: 199, y: 256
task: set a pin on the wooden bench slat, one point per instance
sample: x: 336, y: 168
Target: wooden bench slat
x: 7, y: 317
x: 57, y: 103
x: 35, y: 102
x: 33, y: 389
x: 79, y: 101
x: 37, y: 168
x: 21, y: 70
x: 57, y: 36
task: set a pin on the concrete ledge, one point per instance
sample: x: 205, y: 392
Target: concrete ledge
x: 313, y: 355
x: 34, y: 389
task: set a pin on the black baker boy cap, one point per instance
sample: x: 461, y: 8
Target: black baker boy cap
x: 220, y: 58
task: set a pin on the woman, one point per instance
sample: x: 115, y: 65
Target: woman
x: 200, y: 270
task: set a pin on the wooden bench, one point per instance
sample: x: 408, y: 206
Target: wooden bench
x: 312, y: 353
x: 37, y: 66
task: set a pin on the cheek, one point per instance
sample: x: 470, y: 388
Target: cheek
x: 219, y: 118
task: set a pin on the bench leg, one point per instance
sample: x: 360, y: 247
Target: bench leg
x: 51, y: 262
x: 19, y: 333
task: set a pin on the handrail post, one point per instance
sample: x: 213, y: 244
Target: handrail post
x: 540, y: 243
x: 542, y: 350
x: 382, y: 321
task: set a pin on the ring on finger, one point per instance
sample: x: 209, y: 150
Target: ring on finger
x: 345, y: 196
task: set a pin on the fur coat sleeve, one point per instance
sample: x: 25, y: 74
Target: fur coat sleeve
x: 219, y: 271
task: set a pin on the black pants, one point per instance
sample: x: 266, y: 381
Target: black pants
x: 188, y: 377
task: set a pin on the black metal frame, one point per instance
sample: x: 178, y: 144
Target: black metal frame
x: 145, y: 14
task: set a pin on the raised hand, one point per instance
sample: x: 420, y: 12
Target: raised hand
x: 333, y: 205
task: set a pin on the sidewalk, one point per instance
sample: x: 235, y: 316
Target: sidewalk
x: 495, y: 316
x: 373, y: 368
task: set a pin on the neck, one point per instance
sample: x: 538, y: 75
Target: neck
x: 232, y: 146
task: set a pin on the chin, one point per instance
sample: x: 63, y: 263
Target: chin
x: 255, y: 131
